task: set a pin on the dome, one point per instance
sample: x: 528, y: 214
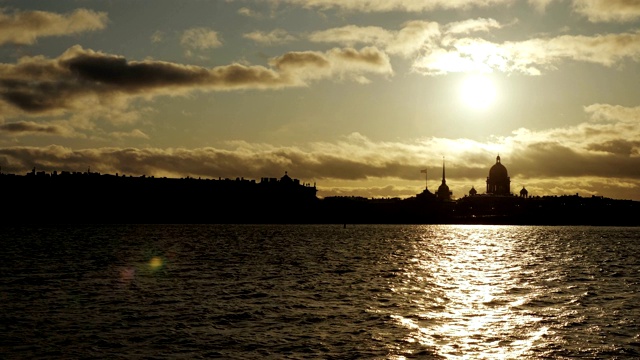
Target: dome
x: 498, y: 171
x: 498, y: 182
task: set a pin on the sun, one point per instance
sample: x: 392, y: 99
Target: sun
x: 478, y: 92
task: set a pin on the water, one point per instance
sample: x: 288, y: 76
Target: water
x: 319, y: 291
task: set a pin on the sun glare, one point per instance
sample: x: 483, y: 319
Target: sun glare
x: 478, y: 92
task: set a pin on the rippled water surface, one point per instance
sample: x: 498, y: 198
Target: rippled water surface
x: 290, y: 291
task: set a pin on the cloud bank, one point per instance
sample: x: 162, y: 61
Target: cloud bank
x: 441, y: 49
x: 393, y: 5
x: 593, y: 10
x: 83, y: 79
x: 582, y: 158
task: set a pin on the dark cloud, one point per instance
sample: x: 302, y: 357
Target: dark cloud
x: 130, y: 76
x: 81, y: 78
x: 553, y: 160
x: 618, y: 147
x: 368, y: 55
x: 25, y: 127
x: 205, y: 162
x: 37, y: 98
x: 538, y: 160
x: 300, y: 59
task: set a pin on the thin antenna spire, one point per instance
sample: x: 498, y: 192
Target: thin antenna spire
x: 426, y: 182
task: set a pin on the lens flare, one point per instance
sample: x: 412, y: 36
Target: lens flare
x: 155, y: 263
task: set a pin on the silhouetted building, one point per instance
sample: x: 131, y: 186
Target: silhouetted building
x: 498, y: 182
x: 91, y: 197
x: 443, y: 192
x: 286, y: 179
x: 155, y: 200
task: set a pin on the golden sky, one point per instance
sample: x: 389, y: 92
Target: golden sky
x: 357, y: 96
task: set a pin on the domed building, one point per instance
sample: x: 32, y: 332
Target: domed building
x: 498, y: 182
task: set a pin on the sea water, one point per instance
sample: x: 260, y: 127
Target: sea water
x: 319, y: 292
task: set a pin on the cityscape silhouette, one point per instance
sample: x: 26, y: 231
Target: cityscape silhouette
x: 91, y: 197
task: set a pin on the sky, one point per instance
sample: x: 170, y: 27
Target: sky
x: 355, y: 96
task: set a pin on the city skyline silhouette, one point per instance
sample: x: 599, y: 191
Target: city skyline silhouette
x: 358, y: 96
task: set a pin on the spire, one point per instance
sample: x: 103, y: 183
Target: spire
x: 443, y: 191
x: 443, y: 179
x: 498, y: 159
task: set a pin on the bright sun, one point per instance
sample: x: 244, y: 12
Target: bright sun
x: 478, y: 92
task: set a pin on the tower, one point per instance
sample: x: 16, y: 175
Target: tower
x: 443, y: 192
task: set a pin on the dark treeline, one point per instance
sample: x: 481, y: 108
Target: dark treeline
x: 95, y: 198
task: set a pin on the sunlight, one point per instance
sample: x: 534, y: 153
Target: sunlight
x: 472, y: 272
x: 478, y: 92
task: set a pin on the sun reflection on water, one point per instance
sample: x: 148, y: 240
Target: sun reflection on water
x: 467, y: 294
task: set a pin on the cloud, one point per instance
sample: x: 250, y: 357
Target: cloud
x: 540, y: 5
x: 157, y: 36
x: 351, y: 35
x: 608, y: 10
x: 320, y: 160
x: 618, y: 147
x: 440, y: 49
x: 598, y: 156
x: 25, y: 128
x: 86, y: 80
x: 200, y: 38
x: 345, y: 63
x: 473, y: 25
x: 594, y: 10
x: 393, y: 5
x: 615, y: 113
x: 277, y: 36
x: 406, y: 41
x: 24, y: 28
x: 527, y: 57
x: 245, y: 11
x: 135, y: 133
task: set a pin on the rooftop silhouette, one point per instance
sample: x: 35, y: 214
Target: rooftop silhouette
x: 91, y: 197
